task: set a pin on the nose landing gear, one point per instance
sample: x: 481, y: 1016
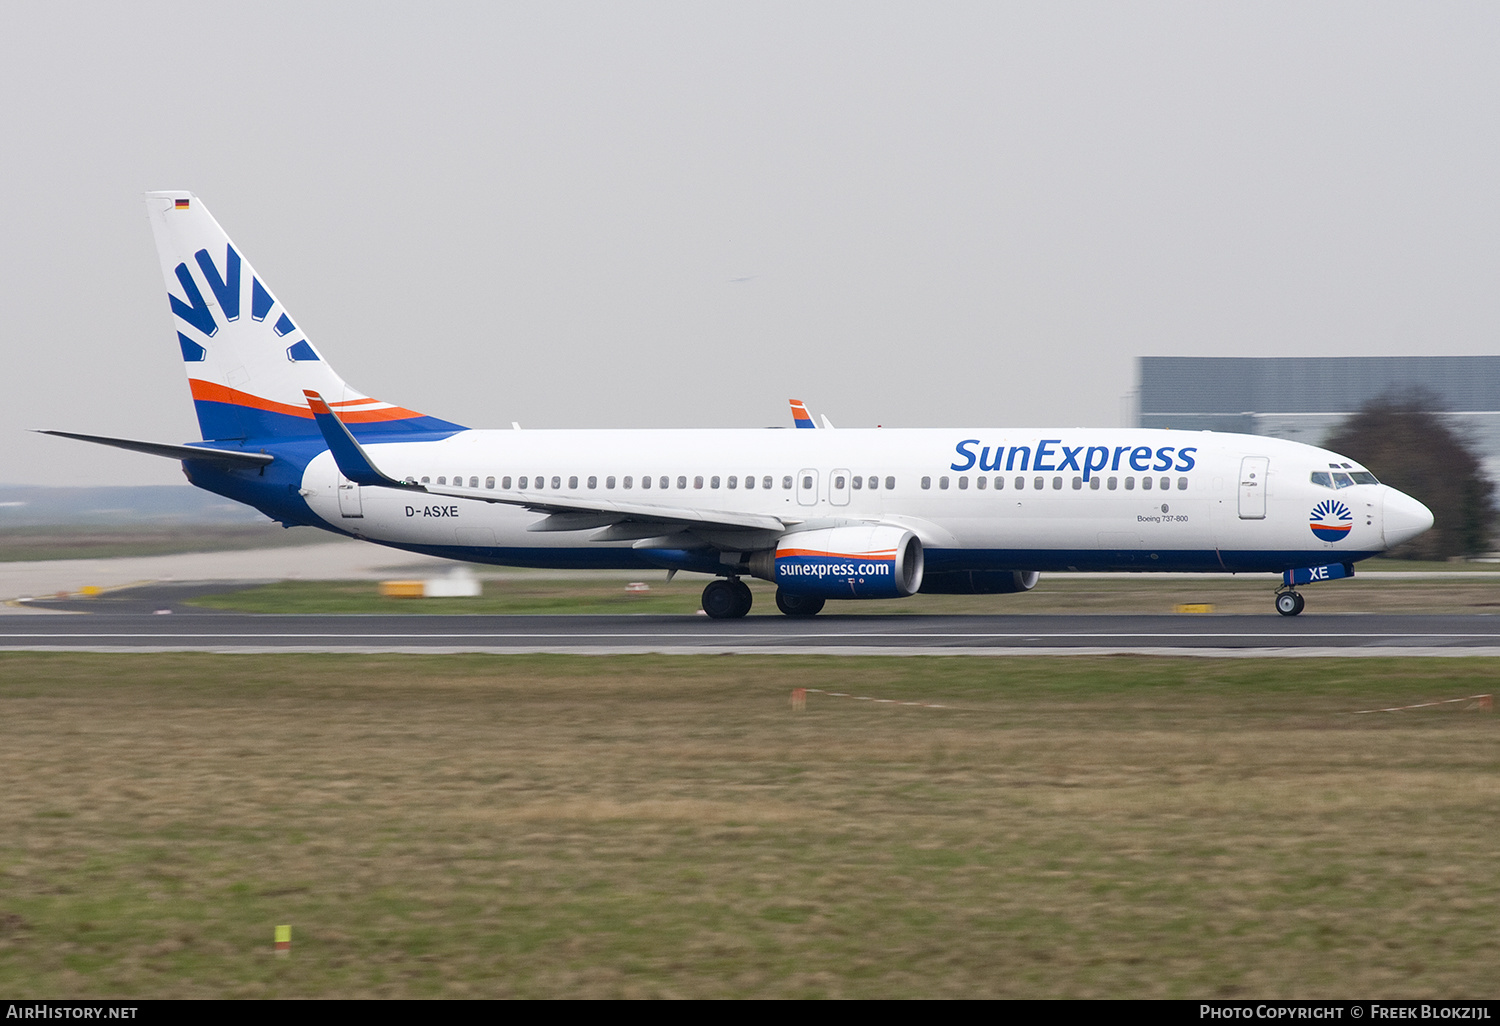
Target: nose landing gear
x: 1289, y: 603
x: 727, y: 598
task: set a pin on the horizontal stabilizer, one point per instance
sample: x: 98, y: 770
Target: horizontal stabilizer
x: 172, y: 452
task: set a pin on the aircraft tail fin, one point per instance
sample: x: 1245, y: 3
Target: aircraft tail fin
x: 247, y: 361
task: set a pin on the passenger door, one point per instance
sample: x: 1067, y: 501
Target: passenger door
x: 1253, y: 471
x: 350, y: 503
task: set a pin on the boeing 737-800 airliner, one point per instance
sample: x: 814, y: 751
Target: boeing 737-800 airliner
x: 849, y: 514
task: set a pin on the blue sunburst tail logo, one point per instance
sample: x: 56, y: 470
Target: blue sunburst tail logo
x: 1331, y: 520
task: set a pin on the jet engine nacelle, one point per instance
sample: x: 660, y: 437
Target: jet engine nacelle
x: 979, y: 582
x: 859, y: 562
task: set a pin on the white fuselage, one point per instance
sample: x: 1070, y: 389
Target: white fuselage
x: 1161, y: 500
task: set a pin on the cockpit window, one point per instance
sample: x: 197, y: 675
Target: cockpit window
x: 1363, y: 477
x: 1321, y: 477
x: 1341, y: 480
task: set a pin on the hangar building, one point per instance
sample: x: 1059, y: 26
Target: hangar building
x: 1306, y: 398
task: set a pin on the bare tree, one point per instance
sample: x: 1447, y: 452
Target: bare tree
x: 1409, y: 446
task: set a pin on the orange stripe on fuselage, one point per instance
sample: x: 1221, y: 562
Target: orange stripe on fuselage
x: 212, y: 392
x: 792, y: 553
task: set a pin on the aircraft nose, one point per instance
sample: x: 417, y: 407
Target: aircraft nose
x: 1405, y: 518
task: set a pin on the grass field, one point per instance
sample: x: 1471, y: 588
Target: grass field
x: 1056, y: 593
x: 36, y: 543
x: 644, y: 826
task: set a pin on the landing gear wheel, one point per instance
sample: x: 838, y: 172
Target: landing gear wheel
x: 726, y: 599
x: 1290, y: 603
x: 746, y: 598
x: 798, y: 605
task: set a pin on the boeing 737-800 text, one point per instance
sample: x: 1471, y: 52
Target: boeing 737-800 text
x: 849, y: 514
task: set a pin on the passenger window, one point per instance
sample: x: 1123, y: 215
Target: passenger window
x: 1166, y: 484
x: 999, y: 483
x: 698, y: 482
x: 1182, y: 484
x: 734, y: 481
x: 1077, y: 484
x: 1094, y: 483
x: 489, y: 482
x: 593, y: 481
x: 1130, y: 484
x: 713, y: 482
x: 505, y: 483
x: 1343, y: 481
x: 443, y: 479
x: 926, y: 482
x: 1363, y: 477
x: 572, y: 483
x: 609, y: 482
x: 557, y: 483
x: 942, y: 482
x: 1114, y: 482
x: 1322, y: 477
x: 627, y: 482
x: 646, y: 481
x: 890, y: 483
x: 838, y: 482
x: 426, y: 480
x: 807, y: 481
x: 1057, y: 484
x: 786, y: 482
x: 1039, y: 483
x: 663, y: 482
x: 857, y: 481
x: 1020, y: 484
x: 981, y: 483
x: 521, y: 484
x: 1145, y: 484
x: 681, y: 481
x: 749, y: 481
x: 963, y: 484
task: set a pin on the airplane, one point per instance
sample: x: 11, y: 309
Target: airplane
x: 802, y: 419
x: 849, y: 514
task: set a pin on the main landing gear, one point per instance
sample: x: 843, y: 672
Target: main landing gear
x: 727, y: 598
x: 798, y: 605
x: 1289, y: 603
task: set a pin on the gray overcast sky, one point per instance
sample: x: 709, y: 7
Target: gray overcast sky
x: 647, y: 214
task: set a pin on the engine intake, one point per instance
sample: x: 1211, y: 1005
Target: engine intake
x: 861, y: 562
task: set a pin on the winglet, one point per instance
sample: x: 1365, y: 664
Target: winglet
x: 800, y: 416
x: 347, y: 453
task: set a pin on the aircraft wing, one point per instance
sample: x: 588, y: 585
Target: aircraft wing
x: 567, y: 512
x: 175, y: 452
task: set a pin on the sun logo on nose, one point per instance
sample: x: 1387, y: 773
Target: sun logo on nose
x: 1331, y: 520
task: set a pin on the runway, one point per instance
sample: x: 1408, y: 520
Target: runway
x: 152, y: 620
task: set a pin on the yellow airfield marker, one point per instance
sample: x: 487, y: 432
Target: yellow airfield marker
x: 283, y: 940
x: 1193, y: 607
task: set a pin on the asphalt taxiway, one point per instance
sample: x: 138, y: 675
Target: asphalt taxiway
x: 156, y: 620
